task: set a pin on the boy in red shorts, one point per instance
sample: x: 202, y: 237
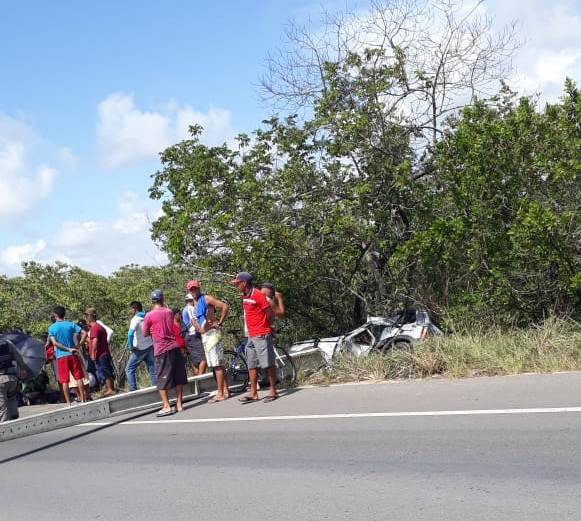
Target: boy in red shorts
x: 64, y: 336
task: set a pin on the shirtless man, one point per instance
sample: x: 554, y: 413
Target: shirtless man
x: 206, y: 324
x: 275, y: 298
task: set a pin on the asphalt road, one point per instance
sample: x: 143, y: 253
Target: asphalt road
x: 337, y: 453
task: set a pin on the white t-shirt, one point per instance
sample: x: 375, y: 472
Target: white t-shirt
x: 191, y: 310
x: 139, y: 341
x: 108, y: 330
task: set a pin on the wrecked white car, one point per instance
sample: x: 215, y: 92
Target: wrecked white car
x: 379, y: 334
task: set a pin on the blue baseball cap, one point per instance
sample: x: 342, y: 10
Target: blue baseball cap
x: 157, y: 295
x: 243, y: 276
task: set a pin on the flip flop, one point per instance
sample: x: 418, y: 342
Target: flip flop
x: 216, y: 400
x: 246, y: 399
x: 163, y: 413
x: 269, y: 399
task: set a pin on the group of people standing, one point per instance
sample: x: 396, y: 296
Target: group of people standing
x: 162, y: 339
x: 202, y: 318
x: 66, y: 340
x: 155, y: 339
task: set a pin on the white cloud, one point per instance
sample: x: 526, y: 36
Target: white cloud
x: 551, y: 48
x: 99, y: 246
x: 22, y: 183
x: 553, y: 67
x: 75, y: 235
x: 216, y: 124
x: 127, y: 134
x: 13, y: 256
x: 133, y: 216
x: 103, y: 246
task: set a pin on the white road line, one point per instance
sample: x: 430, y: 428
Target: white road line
x: 476, y: 412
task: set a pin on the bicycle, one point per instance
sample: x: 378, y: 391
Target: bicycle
x: 237, y: 367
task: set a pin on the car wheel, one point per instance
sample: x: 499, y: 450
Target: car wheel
x: 401, y: 346
x: 398, y: 345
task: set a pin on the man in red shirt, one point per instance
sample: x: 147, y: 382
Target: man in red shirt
x: 99, y: 352
x: 258, y: 315
x: 169, y: 362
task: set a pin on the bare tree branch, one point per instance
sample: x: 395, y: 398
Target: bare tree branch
x: 451, y: 54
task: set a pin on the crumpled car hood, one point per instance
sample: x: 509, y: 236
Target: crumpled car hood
x: 325, y: 345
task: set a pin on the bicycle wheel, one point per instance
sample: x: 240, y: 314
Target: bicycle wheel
x: 286, y: 371
x: 236, y: 371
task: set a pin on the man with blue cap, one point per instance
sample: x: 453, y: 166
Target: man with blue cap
x: 169, y: 363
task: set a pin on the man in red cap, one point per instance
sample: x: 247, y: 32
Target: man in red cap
x: 194, y: 345
x: 258, y: 315
x: 207, y: 325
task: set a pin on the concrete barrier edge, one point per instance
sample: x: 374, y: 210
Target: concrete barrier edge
x: 124, y: 403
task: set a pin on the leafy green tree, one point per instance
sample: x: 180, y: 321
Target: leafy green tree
x: 27, y: 301
x: 499, y: 233
x: 316, y: 207
x: 350, y: 219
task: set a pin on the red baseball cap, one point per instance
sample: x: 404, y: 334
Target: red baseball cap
x: 193, y: 284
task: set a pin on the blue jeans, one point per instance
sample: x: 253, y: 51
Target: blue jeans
x: 135, y: 359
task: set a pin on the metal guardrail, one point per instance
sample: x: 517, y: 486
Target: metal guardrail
x: 124, y: 403
x: 99, y: 409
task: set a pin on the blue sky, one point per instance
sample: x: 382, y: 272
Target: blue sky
x: 90, y: 92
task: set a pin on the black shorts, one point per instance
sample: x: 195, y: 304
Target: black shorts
x: 170, y: 369
x: 195, y: 349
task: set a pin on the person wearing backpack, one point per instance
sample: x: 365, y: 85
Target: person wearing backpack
x: 141, y: 347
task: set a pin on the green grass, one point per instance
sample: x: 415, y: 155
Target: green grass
x: 553, y: 346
